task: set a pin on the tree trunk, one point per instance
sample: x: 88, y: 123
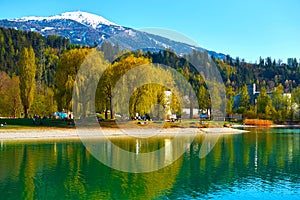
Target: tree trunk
x: 158, y: 111
x: 15, y: 112
x: 111, y: 109
x: 191, y: 105
x: 26, y: 111
x: 84, y: 107
x: 191, y: 112
x: 106, y: 114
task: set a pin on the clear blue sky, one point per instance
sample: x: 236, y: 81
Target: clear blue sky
x: 247, y: 29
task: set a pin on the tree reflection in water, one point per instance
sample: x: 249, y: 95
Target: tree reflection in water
x: 257, y: 163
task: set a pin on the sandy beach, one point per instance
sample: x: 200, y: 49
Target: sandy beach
x: 60, y: 133
x: 223, y: 130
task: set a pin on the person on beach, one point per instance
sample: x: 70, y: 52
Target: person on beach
x: 3, y: 125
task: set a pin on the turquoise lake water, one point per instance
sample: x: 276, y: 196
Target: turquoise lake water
x: 261, y: 164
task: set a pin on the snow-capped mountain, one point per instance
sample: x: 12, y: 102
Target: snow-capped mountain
x: 82, y: 17
x: 90, y: 29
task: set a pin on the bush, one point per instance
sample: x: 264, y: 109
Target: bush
x: 258, y: 122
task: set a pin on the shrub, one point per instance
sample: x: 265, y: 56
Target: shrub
x: 258, y: 122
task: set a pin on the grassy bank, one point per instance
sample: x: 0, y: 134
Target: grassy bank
x: 29, y: 123
x: 55, y: 123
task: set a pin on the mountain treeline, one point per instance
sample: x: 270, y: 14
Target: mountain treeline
x: 12, y: 42
x: 37, y: 76
x: 267, y: 73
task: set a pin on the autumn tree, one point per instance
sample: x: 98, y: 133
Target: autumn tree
x: 4, y: 83
x: 27, y: 81
x: 68, y: 66
x: 136, y: 86
x: 14, y: 101
x: 110, y: 77
x: 10, y: 102
x: 86, y: 82
x: 153, y: 95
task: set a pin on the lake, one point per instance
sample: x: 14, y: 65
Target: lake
x: 261, y: 164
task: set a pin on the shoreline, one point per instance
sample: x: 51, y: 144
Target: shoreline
x: 93, y: 133
x: 269, y: 126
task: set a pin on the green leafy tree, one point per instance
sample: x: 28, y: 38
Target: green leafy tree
x: 278, y: 103
x: 203, y: 98
x: 245, y: 99
x: 296, y: 96
x: 264, y: 104
x: 295, y: 101
x: 215, y: 95
x: 39, y: 106
x: 50, y: 102
x: 27, y: 81
x: 278, y: 100
x: 229, y: 104
x: 51, y: 60
x: 287, y: 112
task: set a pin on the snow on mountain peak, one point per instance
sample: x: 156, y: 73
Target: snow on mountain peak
x: 78, y: 16
x: 86, y: 18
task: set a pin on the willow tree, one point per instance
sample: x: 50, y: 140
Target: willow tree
x: 86, y: 82
x: 27, y: 75
x: 151, y: 97
x: 133, y: 85
x: 68, y: 66
x: 111, y: 76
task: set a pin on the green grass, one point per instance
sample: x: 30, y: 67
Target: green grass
x: 28, y: 123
